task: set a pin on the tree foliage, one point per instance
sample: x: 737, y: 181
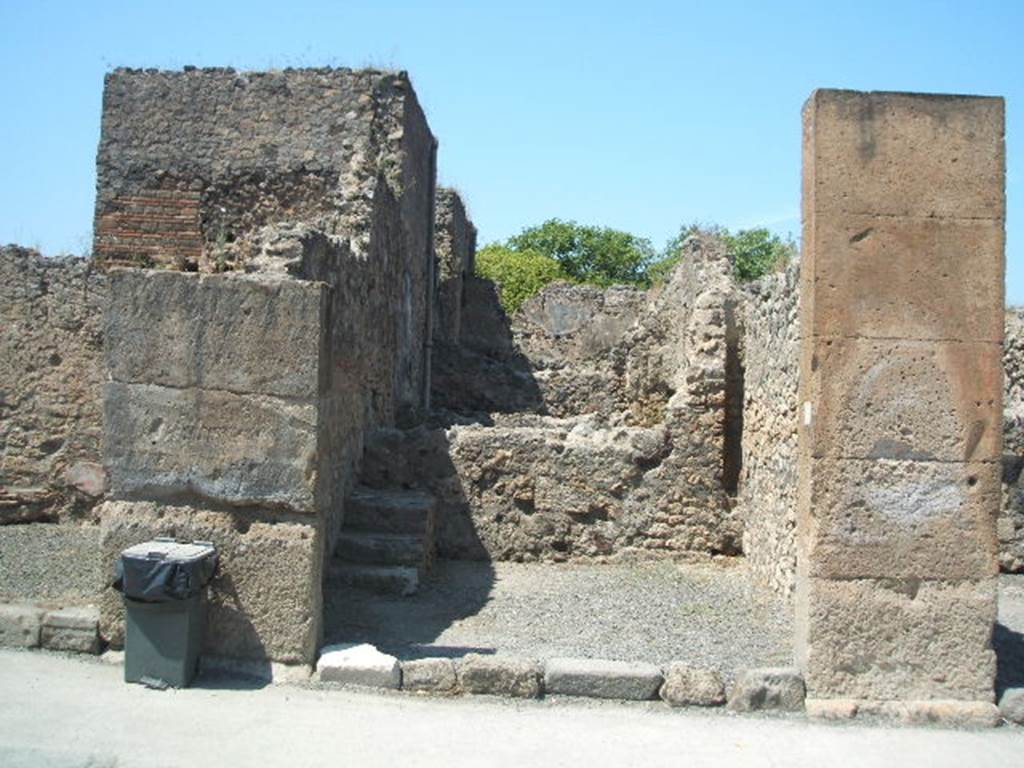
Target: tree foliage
x: 520, y: 273
x: 598, y: 255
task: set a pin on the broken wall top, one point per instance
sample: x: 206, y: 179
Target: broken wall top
x: 193, y: 162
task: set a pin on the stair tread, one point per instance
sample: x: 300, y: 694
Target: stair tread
x: 381, y: 579
x: 388, y: 497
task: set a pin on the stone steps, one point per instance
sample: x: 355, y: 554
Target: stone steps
x: 387, y: 541
x: 380, y: 579
x: 389, y: 511
x: 382, y: 548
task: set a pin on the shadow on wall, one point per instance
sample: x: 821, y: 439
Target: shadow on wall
x: 485, y: 373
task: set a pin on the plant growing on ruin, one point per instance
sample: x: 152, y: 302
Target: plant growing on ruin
x: 520, y: 274
x: 753, y: 252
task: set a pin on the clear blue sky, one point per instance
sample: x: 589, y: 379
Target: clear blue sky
x: 640, y: 116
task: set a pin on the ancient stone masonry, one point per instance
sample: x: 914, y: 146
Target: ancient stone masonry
x: 236, y: 403
x: 51, y: 476
x: 1011, y: 521
x: 604, y: 427
x: 455, y: 249
x: 901, y: 392
x: 768, y: 485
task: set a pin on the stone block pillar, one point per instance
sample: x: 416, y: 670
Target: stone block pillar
x: 901, y: 396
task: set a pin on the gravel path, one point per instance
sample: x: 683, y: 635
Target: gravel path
x: 657, y: 612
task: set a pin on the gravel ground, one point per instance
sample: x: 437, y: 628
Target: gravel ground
x: 658, y: 612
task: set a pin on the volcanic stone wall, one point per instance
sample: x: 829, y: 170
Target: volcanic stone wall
x: 768, y: 484
x: 590, y: 425
x: 51, y: 476
x: 1011, y: 521
x: 900, y: 456
x: 241, y: 382
x: 455, y: 250
x: 198, y: 169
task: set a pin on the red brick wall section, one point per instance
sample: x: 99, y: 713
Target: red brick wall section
x: 152, y: 228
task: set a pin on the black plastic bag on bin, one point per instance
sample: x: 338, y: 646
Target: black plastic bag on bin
x: 164, y: 569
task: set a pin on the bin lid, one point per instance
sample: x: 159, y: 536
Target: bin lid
x: 169, y: 549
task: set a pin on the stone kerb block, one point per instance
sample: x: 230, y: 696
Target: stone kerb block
x: 602, y: 679
x: 358, y: 664
x: 75, y: 628
x: 500, y: 676
x: 688, y: 686
x: 777, y: 688
x: 429, y: 676
x: 19, y: 626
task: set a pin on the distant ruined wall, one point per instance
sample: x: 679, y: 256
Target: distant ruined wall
x: 455, y: 250
x: 590, y: 425
x: 51, y: 475
x: 768, y: 483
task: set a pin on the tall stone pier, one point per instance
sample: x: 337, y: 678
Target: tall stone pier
x: 901, y: 400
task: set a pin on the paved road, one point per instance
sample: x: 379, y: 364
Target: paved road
x: 61, y: 711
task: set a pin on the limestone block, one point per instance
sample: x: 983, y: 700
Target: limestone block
x: 1011, y: 705
x: 897, y: 399
x: 184, y: 330
x: 903, y: 519
x: 879, y: 277
x: 602, y: 679
x: 233, y: 448
x: 689, y: 686
x: 49, y: 563
x: 265, y: 602
x: 905, y: 154
x: 943, y: 712
x: 429, y: 676
x: 74, y: 628
x: 500, y: 676
x: 358, y: 664
x: 898, y: 639
x: 777, y: 688
x: 272, y: 672
x: 19, y: 626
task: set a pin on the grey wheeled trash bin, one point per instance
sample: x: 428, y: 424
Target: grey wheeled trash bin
x: 164, y: 587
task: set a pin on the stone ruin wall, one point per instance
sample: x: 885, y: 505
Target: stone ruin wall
x: 768, y: 488
x: 454, y: 253
x: 768, y: 483
x: 1011, y: 521
x: 590, y: 425
x: 51, y: 474
x: 240, y: 374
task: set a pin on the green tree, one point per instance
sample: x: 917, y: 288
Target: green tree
x: 520, y: 273
x: 598, y: 255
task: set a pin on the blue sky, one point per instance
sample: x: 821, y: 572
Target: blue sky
x: 640, y: 116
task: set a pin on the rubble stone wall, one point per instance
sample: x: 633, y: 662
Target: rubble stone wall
x: 590, y: 425
x: 768, y: 483
x: 455, y: 250
x: 1011, y: 520
x: 51, y: 475
x: 241, y: 383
